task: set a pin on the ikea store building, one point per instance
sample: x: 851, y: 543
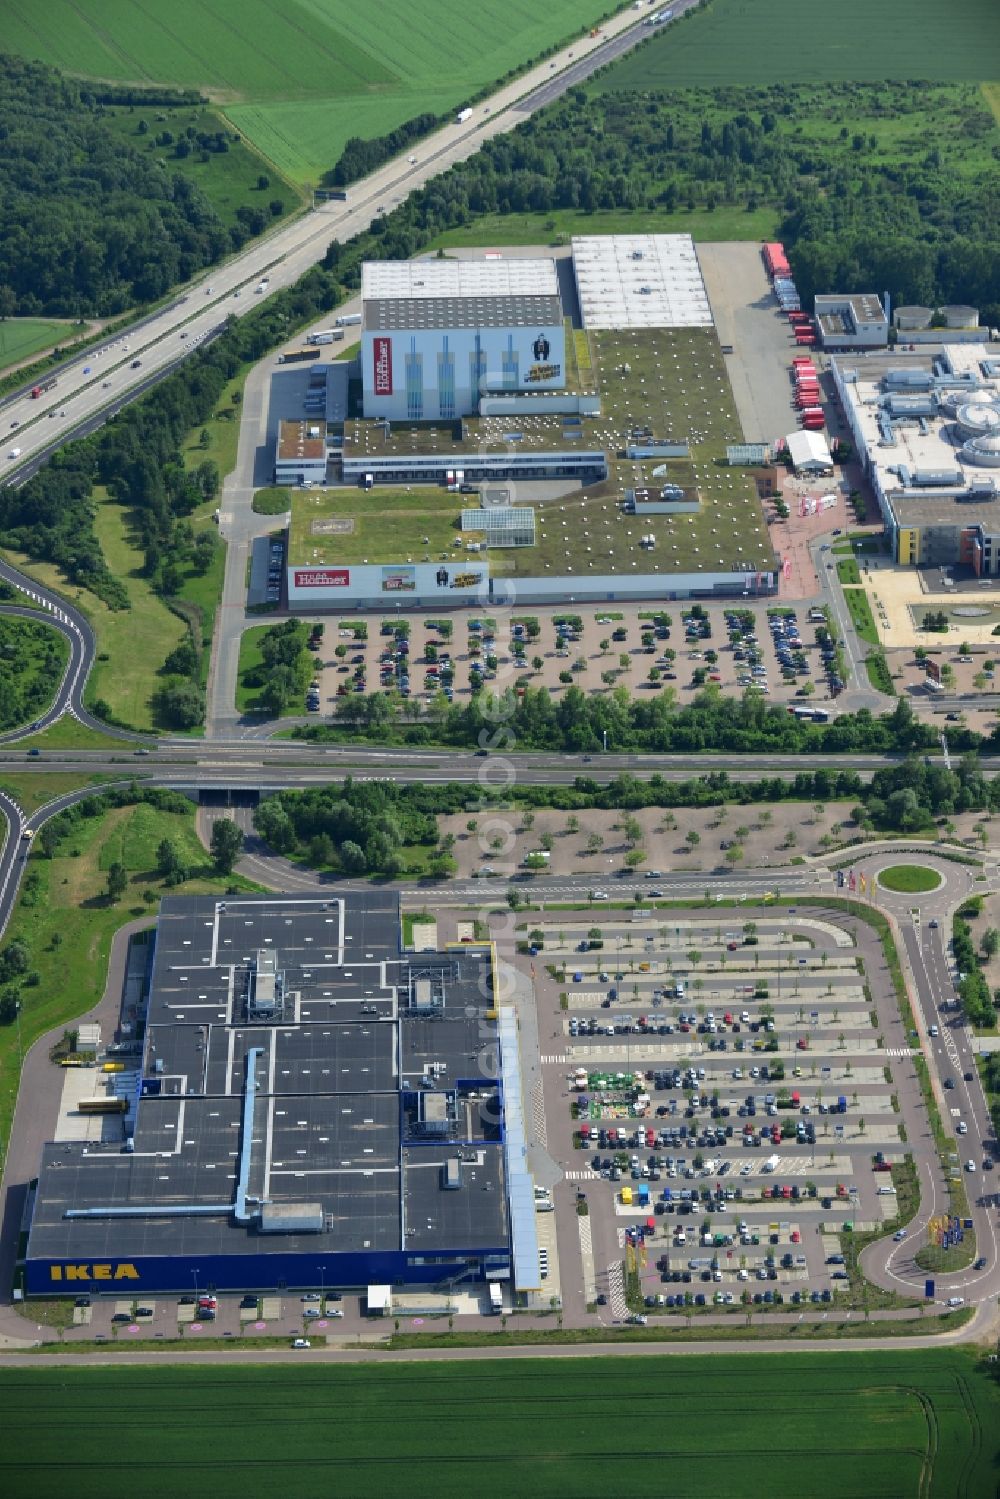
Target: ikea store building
x: 313, y: 1106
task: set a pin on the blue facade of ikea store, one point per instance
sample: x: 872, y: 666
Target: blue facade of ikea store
x: 257, y: 1272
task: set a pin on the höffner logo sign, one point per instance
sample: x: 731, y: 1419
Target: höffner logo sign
x: 382, y: 349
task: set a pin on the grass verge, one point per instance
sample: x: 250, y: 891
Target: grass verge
x: 66, y: 921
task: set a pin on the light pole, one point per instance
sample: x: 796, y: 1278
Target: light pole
x: 322, y: 1285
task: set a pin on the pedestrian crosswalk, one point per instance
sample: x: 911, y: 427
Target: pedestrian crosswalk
x: 581, y: 1176
x: 616, y: 1291
x: 902, y: 1051
x: 556, y: 1059
x: 538, y: 1114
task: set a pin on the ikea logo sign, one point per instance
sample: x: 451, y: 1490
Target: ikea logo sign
x: 93, y: 1272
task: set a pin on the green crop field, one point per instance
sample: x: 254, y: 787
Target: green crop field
x: 781, y: 41
x: 838, y: 1425
x: 20, y: 337
x: 304, y: 75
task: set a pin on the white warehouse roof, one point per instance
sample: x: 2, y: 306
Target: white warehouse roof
x: 809, y: 450
x: 640, y: 281
x: 388, y: 280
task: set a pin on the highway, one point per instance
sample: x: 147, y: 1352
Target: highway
x: 101, y: 381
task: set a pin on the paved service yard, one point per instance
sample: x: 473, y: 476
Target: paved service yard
x: 748, y: 319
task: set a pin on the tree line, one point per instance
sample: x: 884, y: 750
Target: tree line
x: 379, y: 819
x: 360, y: 157
x: 532, y: 719
x: 32, y: 661
x: 919, y: 216
x: 90, y: 225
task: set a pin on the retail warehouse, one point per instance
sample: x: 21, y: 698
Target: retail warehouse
x: 491, y: 376
x: 313, y: 1106
x: 439, y: 334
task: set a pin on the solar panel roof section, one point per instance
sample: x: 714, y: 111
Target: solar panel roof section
x: 640, y: 281
x: 405, y: 314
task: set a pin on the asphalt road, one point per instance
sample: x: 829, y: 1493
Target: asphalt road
x: 75, y: 627
x: 90, y: 388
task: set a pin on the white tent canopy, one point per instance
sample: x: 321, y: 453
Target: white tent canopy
x: 809, y: 451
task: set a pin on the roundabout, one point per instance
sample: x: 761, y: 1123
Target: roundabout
x: 909, y: 879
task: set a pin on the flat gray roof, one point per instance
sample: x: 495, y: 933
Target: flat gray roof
x: 409, y: 314
x: 433, y: 279
x: 338, y: 1078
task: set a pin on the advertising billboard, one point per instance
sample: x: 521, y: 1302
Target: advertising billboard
x: 399, y: 580
x: 542, y: 369
x: 382, y: 356
x: 323, y: 577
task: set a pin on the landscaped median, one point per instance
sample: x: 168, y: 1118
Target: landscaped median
x: 909, y: 879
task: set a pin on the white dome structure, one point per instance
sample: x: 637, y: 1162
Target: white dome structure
x: 977, y: 419
x: 983, y: 452
x: 954, y: 400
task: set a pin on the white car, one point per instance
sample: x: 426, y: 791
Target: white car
x: 301, y: 1343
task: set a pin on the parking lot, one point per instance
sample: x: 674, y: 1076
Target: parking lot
x: 783, y: 653
x: 720, y: 1104
x: 208, y: 1315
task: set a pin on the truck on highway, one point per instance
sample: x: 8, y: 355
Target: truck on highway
x: 325, y: 336
x: 348, y: 319
x: 14, y: 453
x: 40, y: 389
x: 295, y: 356
x: 462, y: 116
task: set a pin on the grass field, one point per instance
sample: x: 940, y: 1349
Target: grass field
x: 909, y: 879
x: 250, y: 660
x: 67, y: 923
x: 68, y: 733
x: 423, y: 511
x: 227, y: 178
x: 131, y: 643
x: 20, y: 337
x: 734, y: 42
x: 32, y: 791
x: 303, y: 76
x: 837, y: 1425
x: 559, y: 226
x: 860, y: 611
